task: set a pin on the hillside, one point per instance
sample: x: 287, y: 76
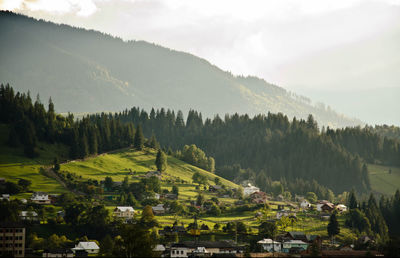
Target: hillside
x: 384, y: 179
x: 87, y: 71
x: 14, y: 166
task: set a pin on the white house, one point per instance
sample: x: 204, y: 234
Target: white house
x: 305, y: 204
x: 249, y: 189
x: 40, y: 198
x: 126, y: 212
x: 90, y: 247
x: 29, y: 215
x: 269, y: 245
x: 179, y: 250
x: 5, y: 197
x: 341, y: 207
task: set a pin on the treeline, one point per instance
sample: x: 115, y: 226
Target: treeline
x: 31, y: 122
x: 369, y: 217
x: 266, y: 144
x: 367, y: 143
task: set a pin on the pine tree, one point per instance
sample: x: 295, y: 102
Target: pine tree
x: 138, y: 141
x: 161, y: 161
x: 333, y: 226
x: 352, y: 200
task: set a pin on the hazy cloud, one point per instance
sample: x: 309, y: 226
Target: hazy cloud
x: 258, y: 37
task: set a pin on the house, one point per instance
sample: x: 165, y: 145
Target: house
x: 5, y: 197
x: 158, y: 250
x: 305, y: 204
x: 202, y: 248
x: 40, y: 198
x: 126, y: 212
x: 298, y: 235
x: 2, y: 180
x: 285, y: 213
x: 153, y: 173
x: 89, y: 247
x: 249, y: 189
x: 171, y: 196
x: 158, y: 209
x: 328, y: 207
x: 214, y: 188
x: 341, y: 207
x: 322, y: 203
x: 12, y: 237
x: 298, y: 245
x: 258, y: 197
x: 270, y: 245
x: 61, y: 214
x: 58, y: 253
x: 29, y: 216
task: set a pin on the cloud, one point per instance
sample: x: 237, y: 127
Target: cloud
x: 79, y: 7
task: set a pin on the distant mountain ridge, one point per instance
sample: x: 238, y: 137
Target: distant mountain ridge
x: 88, y: 71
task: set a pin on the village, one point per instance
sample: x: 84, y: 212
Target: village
x: 196, y: 234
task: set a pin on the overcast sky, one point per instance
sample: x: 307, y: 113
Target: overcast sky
x: 295, y: 44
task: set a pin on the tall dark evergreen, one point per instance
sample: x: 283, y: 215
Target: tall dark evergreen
x: 161, y: 161
x: 138, y: 141
x: 352, y: 200
x: 333, y: 226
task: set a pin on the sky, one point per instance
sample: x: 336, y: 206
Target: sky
x: 311, y: 44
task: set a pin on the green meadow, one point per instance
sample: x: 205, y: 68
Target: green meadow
x: 14, y: 166
x: 384, y: 179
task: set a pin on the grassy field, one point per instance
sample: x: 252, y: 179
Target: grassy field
x: 13, y: 164
x: 382, y: 180
x: 118, y: 165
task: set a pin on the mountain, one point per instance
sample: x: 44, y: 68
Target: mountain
x: 88, y: 71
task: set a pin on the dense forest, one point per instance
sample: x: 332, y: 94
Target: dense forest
x: 260, y: 149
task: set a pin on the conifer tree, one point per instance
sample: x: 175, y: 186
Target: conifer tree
x: 352, y: 200
x: 138, y: 141
x: 333, y: 226
x: 161, y: 161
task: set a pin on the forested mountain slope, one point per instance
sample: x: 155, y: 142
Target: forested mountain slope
x: 87, y: 71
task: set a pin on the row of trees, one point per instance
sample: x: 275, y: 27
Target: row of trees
x: 367, y: 217
x: 268, y: 145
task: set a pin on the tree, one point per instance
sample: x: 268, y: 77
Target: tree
x: 200, y: 199
x: 199, y: 178
x: 24, y: 183
x: 333, y: 226
x: 268, y: 230
x: 147, y: 219
x: 56, y: 165
x: 214, y: 210
x: 161, y: 161
x: 108, y: 183
x: 175, y: 190
x: 358, y: 221
x: 312, y: 197
x: 106, y: 246
x: 241, y: 227
x: 352, y: 200
x: 138, y: 140
x: 135, y: 241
